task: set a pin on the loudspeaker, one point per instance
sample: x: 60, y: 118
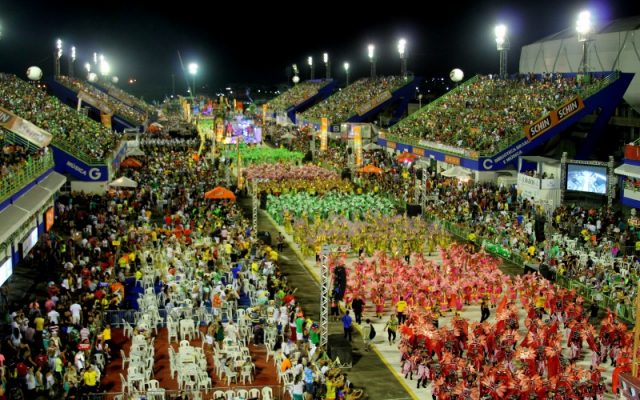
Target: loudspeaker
x: 340, y: 347
x: 349, y: 150
x: 419, y: 174
x: 265, y: 236
x: 308, y: 157
x: 263, y: 200
x: 414, y: 210
x: 346, y: 174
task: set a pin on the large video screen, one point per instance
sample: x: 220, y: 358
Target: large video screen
x: 587, y: 178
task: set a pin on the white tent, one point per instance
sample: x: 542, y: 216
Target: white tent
x: 125, y: 182
x: 457, y: 172
x: 371, y: 146
x: 135, y: 151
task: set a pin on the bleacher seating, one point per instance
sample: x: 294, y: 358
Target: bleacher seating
x: 71, y: 130
x: 296, y: 95
x: 119, y: 108
x: 487, y: 113
x: 345, y: 103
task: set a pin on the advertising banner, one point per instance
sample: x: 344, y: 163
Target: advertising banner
x: 357, y: 145
x: 324, y: 125
x: 24, y: 128
x: 67, y: 164
x: 93, y: 101
x: 553, y: 118
x: 105, y: 118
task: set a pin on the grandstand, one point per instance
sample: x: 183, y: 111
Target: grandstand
x: 106, y: 103
x: 356, y: 99
x: 73, y: 132
x: 125, y: 97
x: 489, y: 122
x: 300, y: 97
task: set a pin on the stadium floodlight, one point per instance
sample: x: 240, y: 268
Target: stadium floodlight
x: 372, y: 59
x: 193, y: 70
x: 584, y: 28
x: 72, y: 61
x: 502, y: 44
x: 57, y: 54
x: 327, y: 65
x: 346, y: 71
x: 105, y: 68
x: 87, y: 66
x: 402, y: 50
x: 311, y: 71
x: 95, y: 58
x: 295, y: 69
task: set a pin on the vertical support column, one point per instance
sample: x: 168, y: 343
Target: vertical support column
x: 563, y: 177
x: 324, y: 296
x: 611, y: 182
x: 636, y: 335
x: 424, y: 189
x: 254, y: 207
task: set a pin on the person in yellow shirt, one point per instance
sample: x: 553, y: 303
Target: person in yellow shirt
x: 400, y: 307
x: 90, y: 377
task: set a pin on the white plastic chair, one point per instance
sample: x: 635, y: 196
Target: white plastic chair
x: 218, y: 394
x: 125, y: 359
x: 254, y: 393
x: 242, y: 393
x: 230, y: 395
x: 267, y: 393
x: 247, y: 373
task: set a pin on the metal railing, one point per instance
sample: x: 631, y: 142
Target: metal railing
x: 15, y: 181
x: 217, y: 393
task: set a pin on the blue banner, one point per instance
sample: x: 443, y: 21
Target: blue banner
x: 65, y: 163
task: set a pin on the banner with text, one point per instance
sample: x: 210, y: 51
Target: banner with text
x: 67, y: 164
x: 324, y: 126
x: 553, y: 118
x: 24, y: 128
x: 93, y: 101
x: 357, y: 145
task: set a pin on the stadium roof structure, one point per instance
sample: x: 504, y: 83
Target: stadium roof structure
x: 615, y: 46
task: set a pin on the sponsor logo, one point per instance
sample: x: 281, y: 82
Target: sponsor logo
x: 451, y: 159
x: 95, y: 174
x: 487, y: 164
x: 4, y: 117
x: 569, y: 109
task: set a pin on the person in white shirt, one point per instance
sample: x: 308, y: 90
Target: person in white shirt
x: 76, y: 310
x: 53, y: 316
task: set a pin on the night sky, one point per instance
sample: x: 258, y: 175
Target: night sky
x: 256, y: 44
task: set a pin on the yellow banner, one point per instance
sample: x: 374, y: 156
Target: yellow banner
x: 105, y: 118
x: 452, y: 159
x: 357, y: 144
x: 264, y: 113
x: 324, y: 127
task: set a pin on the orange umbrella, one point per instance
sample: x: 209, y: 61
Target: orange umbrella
x: 131, y: 163
x: 407, y: 157
x: 370, y: 169
x: 220, y: 193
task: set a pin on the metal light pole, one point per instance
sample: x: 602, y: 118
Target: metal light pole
x: 402, y: 47
x: 311, y: 71
x: 327, y: 65
x: 72, y: 61
x: 372, y: 59
x: 193, y: 70
x: 502, y: 42
x: 585, y: 30
x: 56, y: 58
x: 346, y: 71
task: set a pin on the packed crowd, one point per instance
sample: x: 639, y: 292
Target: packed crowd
x: 347, y: 102
x: 118, y: 107
x: 129, y: 98
x: 14, y: 158
x: 75, y: 131
x: 488, y: 113
x: 296, y: 95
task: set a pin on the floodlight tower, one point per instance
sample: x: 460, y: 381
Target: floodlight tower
x: 327, y: 65
x: 585, y: 35
x: 502, y: 42
x: 372, y: 59
x: 346, y: 71
x: 402, y: 47
x: 57, y: 54
x: 72, y: 61
x: 311, y: 71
